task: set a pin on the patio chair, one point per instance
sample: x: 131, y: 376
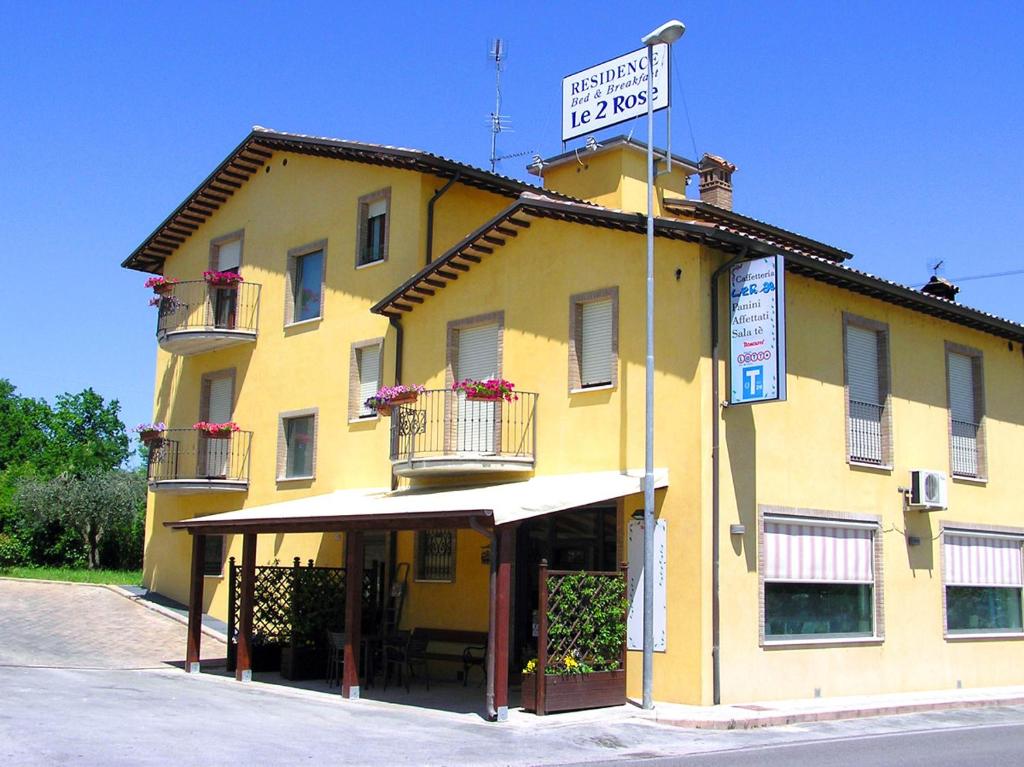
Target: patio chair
x: 405, y: 655
x: 335, y: 657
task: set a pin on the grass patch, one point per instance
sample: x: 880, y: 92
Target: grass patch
x: 116, y: 577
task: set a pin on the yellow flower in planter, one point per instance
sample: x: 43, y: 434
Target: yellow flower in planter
x: 531, y: 666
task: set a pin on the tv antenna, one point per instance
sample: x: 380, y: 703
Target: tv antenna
x: 935, y: 265
x: 499, y: 123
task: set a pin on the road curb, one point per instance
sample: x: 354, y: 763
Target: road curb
x: 161, y: 610
x: 782, y: 719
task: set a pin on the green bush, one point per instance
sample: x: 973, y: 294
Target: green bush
x: 13, y: 551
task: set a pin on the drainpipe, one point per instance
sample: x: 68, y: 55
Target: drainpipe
x: 399, y: 342
x: 430, y: 215
x: 716, y: 665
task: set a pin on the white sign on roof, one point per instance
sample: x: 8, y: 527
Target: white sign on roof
x: 613, y: 92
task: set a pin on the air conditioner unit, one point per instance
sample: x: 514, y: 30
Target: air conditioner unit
x: 928, y: 489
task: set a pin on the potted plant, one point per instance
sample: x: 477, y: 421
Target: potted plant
x: 388, y: 397
x: 160, y: 285
x: 151, y: 433
x: 216, y: 430
x: 227, y: 280
x: 489, y: 390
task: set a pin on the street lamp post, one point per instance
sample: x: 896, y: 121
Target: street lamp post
x: 667, y: 33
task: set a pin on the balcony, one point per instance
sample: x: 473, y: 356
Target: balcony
x: 195, y: 317
x: 186, y: 461
x: 443, y: 433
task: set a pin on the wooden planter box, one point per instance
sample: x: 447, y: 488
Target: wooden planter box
x: 572, y: 692
x: 216, y: 434
x: 404, y: 399
x: 263, y: 658
x: 223, y: 285
x: 165, y: 289
x: 150, y: 436
x: 298, y: 663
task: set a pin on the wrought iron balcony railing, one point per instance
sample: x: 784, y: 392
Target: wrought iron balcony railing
x: 195, y: 317
x: 186, y: 460
x: 444, y: 432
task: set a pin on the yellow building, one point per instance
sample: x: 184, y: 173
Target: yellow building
x: 798, y: 558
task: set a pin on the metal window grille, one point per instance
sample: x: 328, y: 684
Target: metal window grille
x: 866, y: 431
x: 213, y: 555
x: 435, y: 555
x: 965, y: 448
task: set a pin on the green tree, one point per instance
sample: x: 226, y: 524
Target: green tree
x: 91, y: 505
x: 86, y: 435
x: 24, y: 427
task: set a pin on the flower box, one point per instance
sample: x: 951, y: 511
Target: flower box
x: 225, y: 280
x: 161, y: 285
x: 215, y: 430
x: 491, y: 390
x: 149, y: 436
x: 388, y: 397
x: 225, y: 434
x: 572, y: 692
x: 482, y: 398
x: 164, y: 288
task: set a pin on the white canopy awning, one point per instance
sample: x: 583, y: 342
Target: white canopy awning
x: 441, y: 506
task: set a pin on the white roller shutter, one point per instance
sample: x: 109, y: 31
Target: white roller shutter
x: 478, y: 359
x: 376, y: 208
x: 862, y: 364
x: 596, y: 343
x: 229, y: 256
x: 219, y: 410
x: 369, y: 375
x: 478, y: 352
x: 961, y: 388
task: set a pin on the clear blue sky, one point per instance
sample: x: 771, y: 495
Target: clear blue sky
x: 892, y: 130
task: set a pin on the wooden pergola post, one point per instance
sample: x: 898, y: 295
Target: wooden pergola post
x: 501, y: 606
x: 353, y: 613
x: 243, y: 666
x: 195, y: 605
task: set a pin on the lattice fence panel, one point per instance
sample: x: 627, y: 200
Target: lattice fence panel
x: 586, y: 620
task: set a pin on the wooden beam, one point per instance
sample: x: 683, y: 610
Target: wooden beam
x: 482, y: 248
x: 182, y: 226
x: 493, y: 240
x: 456, y: 265
x: 435, y: 283
x: 217, y: 198
x: 195, y: 605
x: 502, y: 606
x: 258, y: 151
x: 447, y: 275
x: 423, y: 290
x: 414, y: 299
x: 191, y: 217
x: 506, y: 231
x: 216, y: 186
x: 402, y: 307
x: 522, y: 223
x: 242, y: 164
x: 235, y: 174
x: 469, y: 257
x: 243, y: 666
x: 353, y: 613
x: 227, y: 182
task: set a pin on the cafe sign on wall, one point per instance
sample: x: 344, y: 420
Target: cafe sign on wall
x: 613, y: 92
x: 757, y: 331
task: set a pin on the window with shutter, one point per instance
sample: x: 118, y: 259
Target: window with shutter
x: 593, y: 339
x: 983, y: 575
x: 372, y: 231
x: 867, y: 378
x: 229, y: 256
x: 819, y: 578
x: 596, y: 343
x: 964, y: 413
x: 478, y: 360
x: 368, y: 358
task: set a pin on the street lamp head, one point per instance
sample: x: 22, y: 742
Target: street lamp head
x: 667, y: 33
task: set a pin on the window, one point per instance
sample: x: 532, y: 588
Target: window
x: 296, y: 454
x: 226, y: 256
x: 819, y: 578
x: 372, y: 242
x: 304, y: 299
x: 966, y: 411
x: 868, y: 432
x: 435, y: 555
x: 364, y: 377
x: 213, y: 556
x: 983, y: 580
x: 593, y: 339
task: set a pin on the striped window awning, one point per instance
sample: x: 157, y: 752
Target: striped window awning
x: 798, y: 551
x: 982, y: 560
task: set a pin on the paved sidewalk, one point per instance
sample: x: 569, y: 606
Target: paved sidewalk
x: 773, y: 713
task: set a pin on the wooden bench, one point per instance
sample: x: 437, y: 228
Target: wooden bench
x: 423, y: 646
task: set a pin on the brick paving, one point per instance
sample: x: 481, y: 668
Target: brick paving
x: 82, y: 626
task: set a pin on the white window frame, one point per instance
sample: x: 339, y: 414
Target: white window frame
x: 356, y: 414
x: 282, y: 443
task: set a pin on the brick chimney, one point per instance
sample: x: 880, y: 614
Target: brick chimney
x: 716, y: 181
x: 941, y: 287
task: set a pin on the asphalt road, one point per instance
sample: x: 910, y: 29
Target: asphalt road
x: 89, y: 683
